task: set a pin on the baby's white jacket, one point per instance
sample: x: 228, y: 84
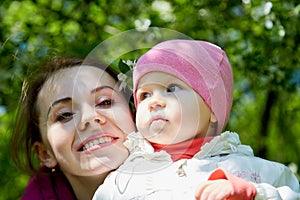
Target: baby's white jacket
x: 153, y: 175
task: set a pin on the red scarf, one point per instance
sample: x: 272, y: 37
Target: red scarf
x: 186, y: 149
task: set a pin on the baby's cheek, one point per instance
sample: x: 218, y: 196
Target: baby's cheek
x: 176, y: 115
x: 141, y: 114
x: 140, y: 123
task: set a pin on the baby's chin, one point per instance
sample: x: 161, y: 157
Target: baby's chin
x: 160, y: 138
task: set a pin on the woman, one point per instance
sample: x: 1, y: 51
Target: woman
x: 71, y: 114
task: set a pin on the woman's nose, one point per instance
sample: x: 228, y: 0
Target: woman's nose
x: 156, y: 102
x: 90, y: 117
x: 93, y: 122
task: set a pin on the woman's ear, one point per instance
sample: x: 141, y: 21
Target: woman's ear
x: 213, y: 125
x: 45, y: 155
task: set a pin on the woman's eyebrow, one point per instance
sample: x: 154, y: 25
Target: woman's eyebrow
x: 63, y: 100
x: 101, y: 88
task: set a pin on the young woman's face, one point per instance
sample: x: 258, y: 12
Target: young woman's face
x: 84, y: 120
x: 168, y: 110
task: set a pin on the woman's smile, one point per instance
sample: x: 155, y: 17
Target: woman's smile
x: 97, y: 143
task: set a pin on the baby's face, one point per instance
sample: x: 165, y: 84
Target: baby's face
x: 168, y: 110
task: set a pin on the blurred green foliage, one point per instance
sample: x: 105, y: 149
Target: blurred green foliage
x: 261, y: 39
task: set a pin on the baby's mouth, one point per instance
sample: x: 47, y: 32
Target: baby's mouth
x: 99, y: 142
x: 157, y: 125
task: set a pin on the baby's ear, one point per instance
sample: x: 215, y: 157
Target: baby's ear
x: 213, y: 118
x: 47, y: 158
x: 213, y: 125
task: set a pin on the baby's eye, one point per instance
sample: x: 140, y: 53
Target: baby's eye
x: 105, y: 103
x: 173, y: 88
x: 64, y: 117
x: 144, y: 96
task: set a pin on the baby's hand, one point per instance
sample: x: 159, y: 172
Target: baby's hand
x: 214, y: 189
x: 222, y: 185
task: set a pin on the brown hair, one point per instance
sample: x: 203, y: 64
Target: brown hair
x: 26, y: 129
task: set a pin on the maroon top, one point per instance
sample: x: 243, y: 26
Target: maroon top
x: 48, y: 185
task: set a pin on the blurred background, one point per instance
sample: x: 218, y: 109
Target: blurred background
x: 260, y: 37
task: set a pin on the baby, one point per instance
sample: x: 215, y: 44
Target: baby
x: 183, y: 95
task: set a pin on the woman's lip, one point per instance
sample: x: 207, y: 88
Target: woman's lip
x: 96, y: 147
x: 95, y: 138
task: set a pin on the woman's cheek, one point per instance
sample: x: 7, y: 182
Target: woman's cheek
x: 59, y: 136
x: 124, y: 120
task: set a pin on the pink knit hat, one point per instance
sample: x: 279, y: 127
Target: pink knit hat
x: 202, y: 65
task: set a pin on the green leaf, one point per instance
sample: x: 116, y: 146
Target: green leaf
x: 124, y: 68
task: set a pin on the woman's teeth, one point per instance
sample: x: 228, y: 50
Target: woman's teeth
x: 101, y: 140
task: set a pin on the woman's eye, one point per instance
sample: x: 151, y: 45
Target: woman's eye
x: 173, y: 88
x: 107, y: 103
x: 64, y: 117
